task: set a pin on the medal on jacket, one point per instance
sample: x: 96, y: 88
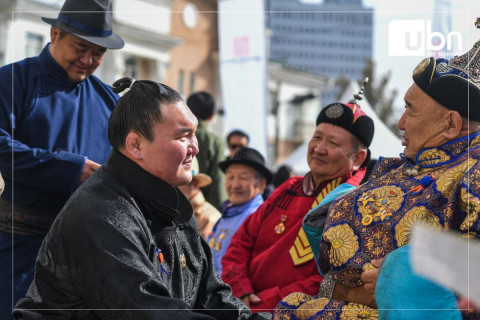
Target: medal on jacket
x: 183, y: 261
x: 279, y: 228
x: 160, y: 258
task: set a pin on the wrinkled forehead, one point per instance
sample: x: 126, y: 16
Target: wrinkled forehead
x: 240, y: 168
x: 332, y: 131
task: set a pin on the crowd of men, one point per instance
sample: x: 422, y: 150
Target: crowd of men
x: 152, y: 221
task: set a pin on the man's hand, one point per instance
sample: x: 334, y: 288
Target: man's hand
x: 364, y: 294
x: 370, y: 277
x: 251, y: 299
x: 353, y: 295
x: 88, y: 169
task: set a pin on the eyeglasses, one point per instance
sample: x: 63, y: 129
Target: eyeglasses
x: 236, y: 146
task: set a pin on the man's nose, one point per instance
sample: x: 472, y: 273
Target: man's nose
x: 87, y: 58
x: 193, y: 148
x: 320, y: 147
x: 401, y: 122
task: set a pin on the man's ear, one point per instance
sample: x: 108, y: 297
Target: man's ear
x: 358, y: 158
x: 54, y: 34
x: 133, y: 143
x: 454, y: 123
x: 262, y: 184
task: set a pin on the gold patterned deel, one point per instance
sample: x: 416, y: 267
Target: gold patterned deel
x: 432, y: 156
x: 344, y: 243
x: 296, y: 298
x: 415, y: 215
x: 475, y: 141
x: 310, y: 308
x: 470, y: 204
x: 447, y: 181
x: 355, y: 311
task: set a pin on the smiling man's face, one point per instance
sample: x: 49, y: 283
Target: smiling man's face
x: 330, y: 152
x: 170, y: 154
x: 79, y: 58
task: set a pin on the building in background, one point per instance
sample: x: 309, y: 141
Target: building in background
x: 331, y: 39
x: 146, y: 31
x: 194, y: 63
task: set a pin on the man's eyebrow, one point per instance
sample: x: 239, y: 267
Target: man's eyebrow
x: 185, y: 130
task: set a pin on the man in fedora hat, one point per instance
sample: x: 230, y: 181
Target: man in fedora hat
x: 53, y: 133
x: 245, y: 179
x: 269, y: 256
x: 205, y: 214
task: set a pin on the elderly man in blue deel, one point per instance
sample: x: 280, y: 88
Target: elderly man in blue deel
x: 435, y: 181
x: 53, y: 133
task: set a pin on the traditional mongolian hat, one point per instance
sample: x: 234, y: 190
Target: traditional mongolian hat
x: 453, y: 83
x: 351, y: 118
x: 90, y: 20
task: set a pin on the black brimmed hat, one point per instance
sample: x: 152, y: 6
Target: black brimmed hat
x: 90, y: 20
x: 249, y: 157
x: 454, y: 83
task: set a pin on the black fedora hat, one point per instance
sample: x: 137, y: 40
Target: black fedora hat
x: 249, y: 157
x: 90, y: 20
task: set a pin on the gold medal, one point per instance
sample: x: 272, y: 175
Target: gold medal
x: 279, y: 228
x: 183, y: 261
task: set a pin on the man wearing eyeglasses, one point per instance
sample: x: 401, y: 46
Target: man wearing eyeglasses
x: 235, y: 140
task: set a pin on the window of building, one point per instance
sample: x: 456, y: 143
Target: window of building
x: 181, y: 76
x: 33, y: 44
x: 192, y: 82
x: 131, y: 67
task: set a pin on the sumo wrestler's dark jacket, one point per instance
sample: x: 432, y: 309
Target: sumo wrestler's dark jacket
x: 100, y: 259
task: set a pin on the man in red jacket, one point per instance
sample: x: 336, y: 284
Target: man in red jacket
x: 269, y: 257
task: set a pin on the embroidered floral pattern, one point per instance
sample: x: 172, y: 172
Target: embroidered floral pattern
x: 475, y: 141
x: 433, y: 156
x: 310, y: 308
x: 368, y: 266
x: 344, y: 243
x: 471, y: 205
x: 450, y: 177
x: 296, y: 298
x: 355, y: 311
x: 378, y: 242
x: 416, y: 214
x: 469, y: 235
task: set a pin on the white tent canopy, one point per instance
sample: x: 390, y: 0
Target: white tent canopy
x: 384, y: 142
